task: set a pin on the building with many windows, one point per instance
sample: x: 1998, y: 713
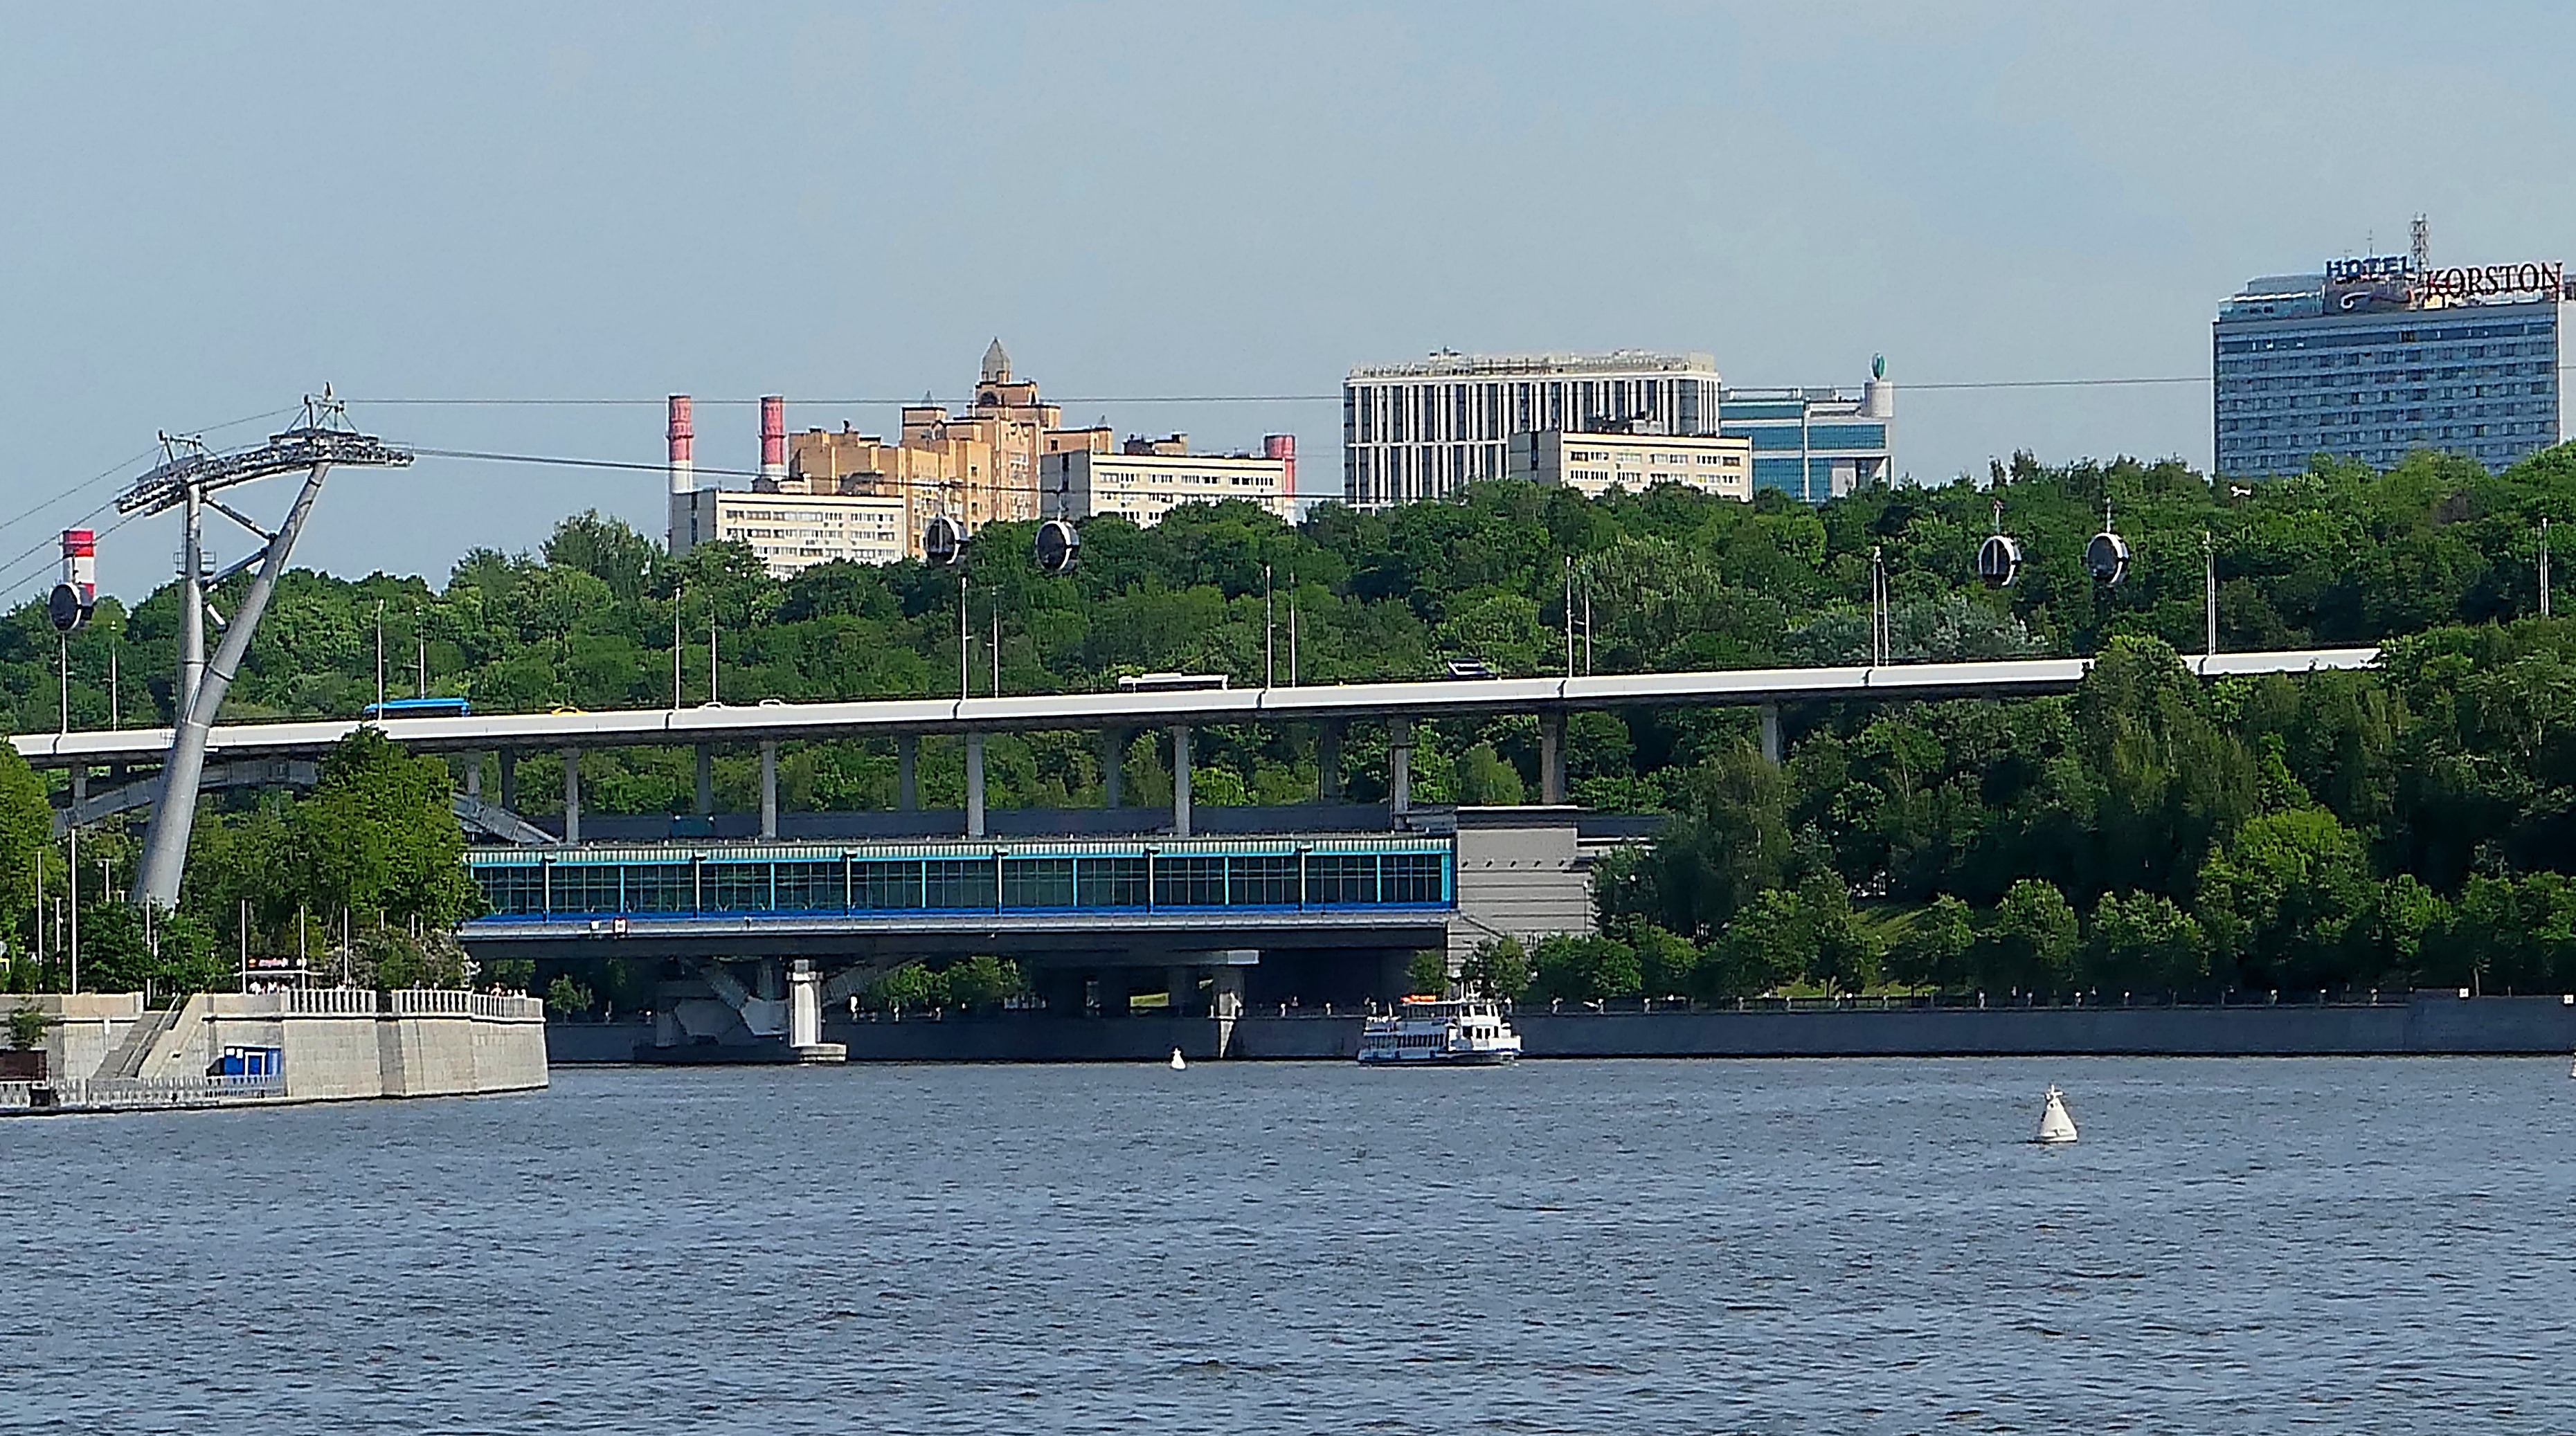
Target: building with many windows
x: 1593, y: 463
x: 1421, y: 430
x: 2372, y: 357
x: 791, y: 532
x: 1148, y: 478
x: 1817, y: 444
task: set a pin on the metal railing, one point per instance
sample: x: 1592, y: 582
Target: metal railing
x: 119, y: 1093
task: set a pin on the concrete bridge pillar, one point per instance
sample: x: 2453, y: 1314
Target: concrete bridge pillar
x: 572, y: 795
x: 1771, y: 732
x: 1328, y: 762
x: 706, y: 780
x: 974, y: 785
x: 805, y: 1017
x: 80, y: 782
x: 1113, y: 767
x: 474, y: 776
x: 1551, y: 758
x: 1181, y: 780
x: 509, y: 762
x: 804, y: 1007
x: 1180, y: 990
x: 1225, y: 1001
x: 907, y: 760
x: 1399, y: 765
x: 769, y: 790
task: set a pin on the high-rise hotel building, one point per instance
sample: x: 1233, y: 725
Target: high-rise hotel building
x: 2372, y: 357
x: 1422, y: 430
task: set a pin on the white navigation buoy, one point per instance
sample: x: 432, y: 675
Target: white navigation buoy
x: 1179, y: 1064
x: 2054, y: 1124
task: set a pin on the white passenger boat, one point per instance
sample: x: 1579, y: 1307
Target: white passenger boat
x: 1432, y: 1029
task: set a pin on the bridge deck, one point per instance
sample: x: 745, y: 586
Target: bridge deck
x: 1465, y: 698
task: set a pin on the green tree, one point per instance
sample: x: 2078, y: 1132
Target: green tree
x: 1485, y: 779
x: 1931, y: 950
x: 1500, y: 968
x: 1427, y: 973
x: 377, y: 836
x: 26, y: 828
x: 2028, y: 943
x: 982, y: 982
x: 2288, y: 901
x: 567, y: 998
x: 1582, y: 969
x: 2143, y: 942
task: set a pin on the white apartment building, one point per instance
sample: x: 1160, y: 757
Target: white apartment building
x: 791, y: 532
x: 1420, y: 430
x: 1591, y: 463
x: 1149, y: 478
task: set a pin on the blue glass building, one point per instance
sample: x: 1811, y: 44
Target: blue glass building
x: 2375, y: 357
x: 1816, y: 444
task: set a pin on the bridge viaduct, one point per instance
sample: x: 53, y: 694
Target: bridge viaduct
x: 1338, y: 894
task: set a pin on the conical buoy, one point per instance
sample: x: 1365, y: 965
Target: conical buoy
x: 1179, y: 1063
x: 2054, y: 1124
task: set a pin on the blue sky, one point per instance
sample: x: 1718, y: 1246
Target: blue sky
x: 211, y: 210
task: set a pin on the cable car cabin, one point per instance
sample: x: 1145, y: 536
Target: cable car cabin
x: 420, y: 708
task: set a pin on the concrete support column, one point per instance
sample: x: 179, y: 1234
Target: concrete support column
x: 572, y: 795
x: 974, y: 785
x: 1399, y: 765
x: 1181, y: 780
x: 1113, y: 767
x: 769, y: 790
x: 1328, y: 762
x: 1181, y: 990
x: 1771, y: 732
x: 474, y: 776
x: 1226, y: 1000
x: 804, y: 1005
x: 1551, y: 758
x: 706, y: 780
x: 509, y: 762
x: 907, y: 759
x: 80, y: 783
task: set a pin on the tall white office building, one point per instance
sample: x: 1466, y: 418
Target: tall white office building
x: 1420, y: 430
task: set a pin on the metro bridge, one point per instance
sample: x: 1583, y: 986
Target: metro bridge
x: 246, y: 747
x: 1087, y: 921
x: 755, y: 939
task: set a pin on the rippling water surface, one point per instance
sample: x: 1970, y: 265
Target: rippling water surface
x: 2366, y: 1245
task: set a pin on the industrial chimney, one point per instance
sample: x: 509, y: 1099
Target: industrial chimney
x: 773, y: 443
x: 684, y: 478
x: 1284, y: 448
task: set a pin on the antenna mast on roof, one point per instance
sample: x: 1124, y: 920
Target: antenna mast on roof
x: 2421, y: 246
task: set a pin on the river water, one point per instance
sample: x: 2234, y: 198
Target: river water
x: 2329, y: 1245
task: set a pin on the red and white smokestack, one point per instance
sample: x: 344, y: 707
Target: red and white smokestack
x: 1284, y: 448
x: 773, y: 439
x: 80, y: 564
x: 683, y: 437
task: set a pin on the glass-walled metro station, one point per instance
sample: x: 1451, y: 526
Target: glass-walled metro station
x: 1337, y: 874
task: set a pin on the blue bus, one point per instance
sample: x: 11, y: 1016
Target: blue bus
x: 420, y: 708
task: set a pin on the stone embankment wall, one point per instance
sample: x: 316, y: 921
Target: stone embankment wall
x: 2428, y: 1023
x: 334, y: 1044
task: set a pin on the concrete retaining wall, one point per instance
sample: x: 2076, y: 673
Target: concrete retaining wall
x: 333, y: 1044
x: 2428, y: 1024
